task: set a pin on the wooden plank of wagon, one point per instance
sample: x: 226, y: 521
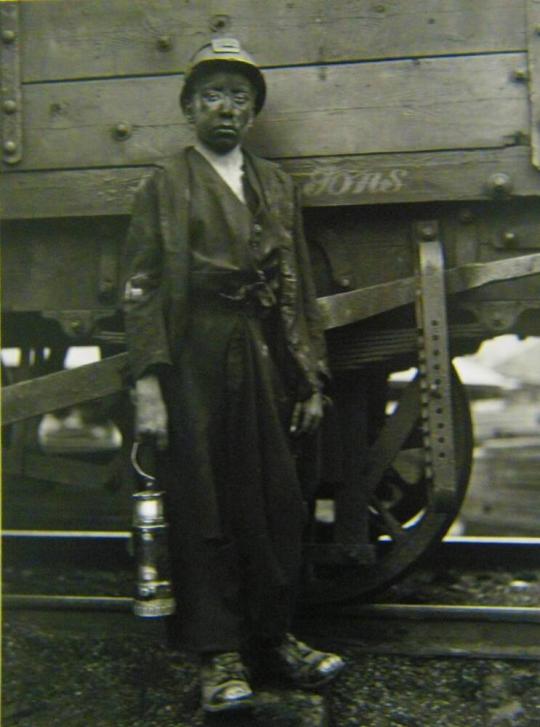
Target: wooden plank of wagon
x: 533, y: 47
x: 64, y: 388
x: 104, y: 38
x: 368, y: 108
x: 329, y: 181
x: 69, y: 193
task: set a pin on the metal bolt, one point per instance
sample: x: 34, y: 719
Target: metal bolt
x: 8, y: 36
x: 509, y: 238
x: 106, y: 290
x: 345, y: 282
x: 428, y: 232
x: 164, y: 42
x: 521, y: 74
x: 10, y: 146
x: 122, y: 130
x: 9, y: 106
x: 466, y: 216
x: 500, y: 183
x: 219, y: 22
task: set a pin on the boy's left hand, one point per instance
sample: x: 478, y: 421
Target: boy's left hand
x: 307, y: 415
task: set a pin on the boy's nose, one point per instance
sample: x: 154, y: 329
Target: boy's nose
x: 226, y: 104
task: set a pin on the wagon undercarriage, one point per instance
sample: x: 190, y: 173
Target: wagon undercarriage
x: 416, y: 149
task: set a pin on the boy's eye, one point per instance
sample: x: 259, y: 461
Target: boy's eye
x: 211, y: 96
x: 241, y: 97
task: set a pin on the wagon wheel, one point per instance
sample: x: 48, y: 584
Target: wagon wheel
x: 402, y: 523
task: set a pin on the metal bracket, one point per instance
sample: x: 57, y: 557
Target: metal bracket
x: 499, y: 316
x: 77, y: 324
x: 11, y: 83
x: 435, y: 367
x: 533, y: 52
x: 108, y: 273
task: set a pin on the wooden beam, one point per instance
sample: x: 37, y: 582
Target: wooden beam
x: 63, y: 470
x: 324, y: 181
x: 69, y: 193
x: 469, y: 102
x: 64, y: 388
x: 105, y: 38
x: 533, y: 47
x: 418, y: 177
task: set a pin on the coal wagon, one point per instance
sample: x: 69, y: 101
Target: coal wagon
x: 413, y: 131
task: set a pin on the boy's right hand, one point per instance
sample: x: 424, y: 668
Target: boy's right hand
x: 150, y: 411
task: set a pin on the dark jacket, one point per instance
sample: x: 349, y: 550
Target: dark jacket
x: 156, y: 268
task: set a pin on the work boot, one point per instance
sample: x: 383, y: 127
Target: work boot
x: 224, y: 685
x: 307, y: 668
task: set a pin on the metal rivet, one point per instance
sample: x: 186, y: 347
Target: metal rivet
x: 8, y: 36
x: 466, y: 216
x: 122, y: 130
x: 219, y: 22
x: 500, y: 183
x: 520, y: 74
x: 10, y: 146
x: 164, y: 42
x: 509, y: 238
x: 9, y: 106
x: 427, y: 232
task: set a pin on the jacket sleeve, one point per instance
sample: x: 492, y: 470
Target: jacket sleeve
x: 143, y: 283
x: 307, y: 296
x: 299, y: 309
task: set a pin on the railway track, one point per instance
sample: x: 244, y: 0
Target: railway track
x: 502, y: 632
x: 416, y: 630
x: 35, y: 545
x: 430, y: 630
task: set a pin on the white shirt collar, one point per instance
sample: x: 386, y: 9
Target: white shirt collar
x: 229, y: 166
x: 231, y: 160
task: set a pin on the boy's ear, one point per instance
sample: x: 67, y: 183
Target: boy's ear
x: 187, y: 107
x: 188, y: 111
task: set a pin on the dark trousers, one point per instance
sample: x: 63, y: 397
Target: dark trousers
x: 213, y: 604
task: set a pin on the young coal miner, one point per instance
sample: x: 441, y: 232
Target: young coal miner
x: 228, y: 357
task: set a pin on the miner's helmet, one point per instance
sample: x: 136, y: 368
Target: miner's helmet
x: 223, y: 53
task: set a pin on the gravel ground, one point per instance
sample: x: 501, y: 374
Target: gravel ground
x: 110, y: 680
x: 107, y: 677
x: 453, y: 587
